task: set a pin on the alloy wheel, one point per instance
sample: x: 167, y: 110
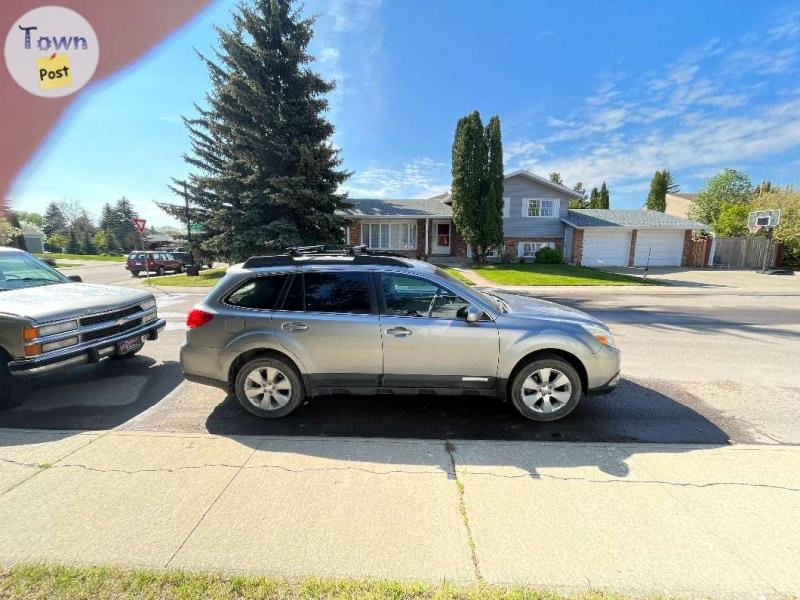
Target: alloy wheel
x: 546, y: 390
x: 268, y: 388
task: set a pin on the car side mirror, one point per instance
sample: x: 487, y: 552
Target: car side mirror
x: 474, y: 314
x: 76, y: 278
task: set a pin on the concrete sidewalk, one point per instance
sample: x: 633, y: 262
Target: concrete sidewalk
x: 639, y: 519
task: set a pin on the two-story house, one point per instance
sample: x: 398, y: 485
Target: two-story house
x: 536, y: 213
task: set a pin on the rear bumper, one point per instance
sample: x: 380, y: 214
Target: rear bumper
x: 89, y: 352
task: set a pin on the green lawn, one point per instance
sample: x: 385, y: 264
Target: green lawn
x: 458, y: 275
x: 533, y: 274
x: 59, y: 256
x: 207, y: 278
x: 26, y: 582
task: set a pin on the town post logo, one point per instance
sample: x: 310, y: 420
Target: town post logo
x: 51, y: 51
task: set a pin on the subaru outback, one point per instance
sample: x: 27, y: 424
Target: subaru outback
x: 278, y: 329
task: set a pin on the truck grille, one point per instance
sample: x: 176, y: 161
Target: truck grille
x: 110, y: 316
x: 109, y: 331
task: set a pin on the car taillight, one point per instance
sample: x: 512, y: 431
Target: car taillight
x: 198, y: 318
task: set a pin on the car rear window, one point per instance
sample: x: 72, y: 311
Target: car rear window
x: 261, y: 293
x: 329, y: 292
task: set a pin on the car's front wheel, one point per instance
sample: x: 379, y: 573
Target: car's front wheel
x: 546, y: 389
x: 134, y: 273
x: 160, y: 271
x: 269, y: 387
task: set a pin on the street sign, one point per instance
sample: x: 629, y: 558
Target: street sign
x: 139, y: 224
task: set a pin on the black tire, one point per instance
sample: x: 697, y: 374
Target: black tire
x: 179, y: 270
x: 160, y: 271
x: 541, y: 405
x: 12, y: 391
x: 134, y: 273
x: 288, y: 374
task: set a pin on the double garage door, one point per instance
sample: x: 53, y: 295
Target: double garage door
x: 611, y: 248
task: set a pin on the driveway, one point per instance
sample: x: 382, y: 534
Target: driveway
x: 708, y: 362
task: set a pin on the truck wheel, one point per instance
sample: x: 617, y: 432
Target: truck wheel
x: 160, y: 271
x: 12, y: 391
x: 546, y: 389
x: 179, y: 270
x: 134, y: 273
x: 269, y: 388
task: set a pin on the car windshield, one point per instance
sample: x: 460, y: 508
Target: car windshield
x: 22, y: 270
x: 490, y: 299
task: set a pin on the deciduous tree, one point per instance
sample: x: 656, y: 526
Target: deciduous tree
x: 727, y: 187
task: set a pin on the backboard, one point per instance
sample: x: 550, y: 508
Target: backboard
x: 763, y: 218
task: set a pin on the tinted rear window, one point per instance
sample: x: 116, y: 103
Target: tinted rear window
x: 261, y: 293
x: 329, y: 292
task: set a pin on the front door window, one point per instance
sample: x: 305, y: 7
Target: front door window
x: 443, y: 235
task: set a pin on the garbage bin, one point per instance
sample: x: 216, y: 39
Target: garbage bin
x: 193, y: 270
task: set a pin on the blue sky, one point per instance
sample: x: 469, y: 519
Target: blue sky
x: 602, y: 90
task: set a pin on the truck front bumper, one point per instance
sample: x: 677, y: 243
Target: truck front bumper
x: 88, y: 352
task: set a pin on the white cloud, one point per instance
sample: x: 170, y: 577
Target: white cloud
x: 787, y: 27
x: 352, y: 15
x: 419, y: 178
x: 329, y: 55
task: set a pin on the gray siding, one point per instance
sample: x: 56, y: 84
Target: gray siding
x: 515, y: 225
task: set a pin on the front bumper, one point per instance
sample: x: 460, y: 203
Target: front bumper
x: 88, y: 352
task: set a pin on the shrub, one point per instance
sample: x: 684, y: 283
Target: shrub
x: 549, y: 256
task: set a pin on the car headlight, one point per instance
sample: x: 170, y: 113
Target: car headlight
x: 601, y: 334
x: 45, y: 330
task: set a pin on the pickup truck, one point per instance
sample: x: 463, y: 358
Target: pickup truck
x: 49, y: 321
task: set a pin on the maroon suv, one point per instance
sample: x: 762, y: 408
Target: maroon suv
x: 157, y: 262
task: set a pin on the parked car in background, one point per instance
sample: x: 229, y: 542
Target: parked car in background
x: 188, y: 258
x: 277, y: 329
x: 154, y: 262
x: 49, y: 321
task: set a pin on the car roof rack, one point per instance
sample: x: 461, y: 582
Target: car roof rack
x: 344, y: 255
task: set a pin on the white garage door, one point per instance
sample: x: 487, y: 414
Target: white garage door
x: 664, y: 247
x: 606, y: 248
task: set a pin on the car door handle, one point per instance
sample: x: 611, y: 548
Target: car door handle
x: 399, y: 331
x: 294, y: 326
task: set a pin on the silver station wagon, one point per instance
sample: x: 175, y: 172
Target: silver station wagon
x: 278, y: 329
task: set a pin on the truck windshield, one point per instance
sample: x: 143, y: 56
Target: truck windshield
x: 22, y: 270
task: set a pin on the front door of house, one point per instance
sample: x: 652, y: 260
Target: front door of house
x: 441, y: 238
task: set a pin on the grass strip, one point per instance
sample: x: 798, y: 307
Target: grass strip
x: 533, y: 274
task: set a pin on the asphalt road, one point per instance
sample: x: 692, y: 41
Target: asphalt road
x: 699, y: 366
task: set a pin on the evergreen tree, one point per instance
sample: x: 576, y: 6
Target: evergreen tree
x: 112, y: 243
x: 581, y: 202
x: 265, y: 171
x: 594, y: 198
x: 657, y: 198
x: 672, y: 185
x: 73, y: 246
x: 123, y: 228
x: 54, y: 220
x: 468, y: 191
x: 87, y: 244
x: 107, y: 218
x: 492, y: 230
x: 556, y: 178
x: 604, y: 199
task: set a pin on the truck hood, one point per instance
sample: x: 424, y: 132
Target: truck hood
x: 534, y: 308
x: 67, y: 300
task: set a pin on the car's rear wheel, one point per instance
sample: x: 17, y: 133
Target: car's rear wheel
x: 179, y: 270
x: 546, y: 389
x: 269, y: 387
x: 160, y: 271
x: 11, y: 391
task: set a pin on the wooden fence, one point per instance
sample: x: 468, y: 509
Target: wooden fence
x: 745, y: 252
x: 698, y: 252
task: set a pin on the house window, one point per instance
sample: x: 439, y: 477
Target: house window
x: 529, y: 249
x: 443, y: 234
x: 389, y: 236
x: 541, y: 207
x: 506, y: 207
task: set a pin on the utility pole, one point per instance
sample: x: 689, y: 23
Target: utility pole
x: 188, y: 223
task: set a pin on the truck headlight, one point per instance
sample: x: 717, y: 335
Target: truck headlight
x: 601, y: 334
x: 59, y: 344
x: 57, y: 328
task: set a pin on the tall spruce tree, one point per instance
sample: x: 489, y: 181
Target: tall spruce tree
x: 54, y: 220
x: 657, y: 197
x: 604, y: 199
x: 265, y: 171
x: 469, y: 169
x: 122, y: 215
x: 594, y: 198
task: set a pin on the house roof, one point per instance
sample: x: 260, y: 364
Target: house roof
x: 629, y: 219
x: 689, y: 197
x: 544, y: 181
x: 382, y: 207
